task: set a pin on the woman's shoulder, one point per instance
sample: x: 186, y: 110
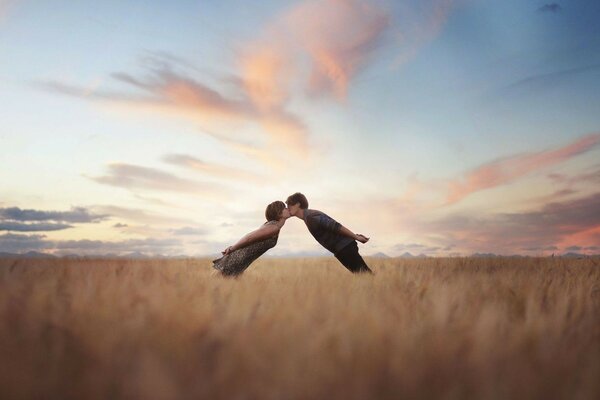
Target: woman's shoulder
x: 270, y: 223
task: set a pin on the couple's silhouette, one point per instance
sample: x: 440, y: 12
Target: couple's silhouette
x: 328, y: 232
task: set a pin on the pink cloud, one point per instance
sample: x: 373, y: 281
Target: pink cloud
x: 320, y: 46
x: 221, y: 116
x: 504, y: 171
x: 557, y: 224
x: 333, y: 39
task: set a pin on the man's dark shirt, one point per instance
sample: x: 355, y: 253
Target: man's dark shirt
x: 326, y: 230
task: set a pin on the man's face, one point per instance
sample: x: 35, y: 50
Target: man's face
x: 293, y: 208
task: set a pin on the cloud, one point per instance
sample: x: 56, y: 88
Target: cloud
x: 139, y: 215
x: 574, y: 248
x: 151, y: 245
x: 543, y: 81
x: 559, y: 223
x: 421, y: 248
x: 11, y: 242
x: 22, y: 243
x: 320, y: 47
x: 176, y: 94
x: 212, y: 169
x: 419, y: 25
x: 75, y: 215
x: 334, y: 38
x: 18, y: 226
x: 314, y: 48
x: 550, y: 7
x: 540, y: 248
x: 133, y: 176
x: 189, y: 230
x: 592, y: 176
x: 506, y: 170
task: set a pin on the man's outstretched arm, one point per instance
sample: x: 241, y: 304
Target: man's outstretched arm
x: 356, y: 236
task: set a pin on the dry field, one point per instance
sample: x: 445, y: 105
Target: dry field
x: 300, y: 329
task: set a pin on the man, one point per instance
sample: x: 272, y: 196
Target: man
x: 330, y: 234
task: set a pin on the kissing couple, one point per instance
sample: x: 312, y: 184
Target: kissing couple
x: 328, y: 232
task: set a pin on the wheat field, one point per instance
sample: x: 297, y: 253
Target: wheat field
x: 435, y: 328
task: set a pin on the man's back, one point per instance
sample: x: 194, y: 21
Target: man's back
x: 325, y: 230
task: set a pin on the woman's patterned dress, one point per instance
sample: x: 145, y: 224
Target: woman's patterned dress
x: 237, y: 261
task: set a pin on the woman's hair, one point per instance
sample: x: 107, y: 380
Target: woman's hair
x: 298, y: 198
x: 274, y: 210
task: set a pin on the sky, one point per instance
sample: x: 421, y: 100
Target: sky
x: 436, y: 127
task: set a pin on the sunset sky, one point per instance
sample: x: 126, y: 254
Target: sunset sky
x: 435, y: 127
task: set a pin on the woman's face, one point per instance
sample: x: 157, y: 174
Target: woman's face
x: 284, y: 214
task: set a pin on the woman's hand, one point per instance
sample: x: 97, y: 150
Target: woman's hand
x: 227, y: 250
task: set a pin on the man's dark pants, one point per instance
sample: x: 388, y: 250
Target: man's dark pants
x: 352, y: 260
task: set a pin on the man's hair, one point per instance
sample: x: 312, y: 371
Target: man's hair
x: 297, y: 198
x: 273, y: 210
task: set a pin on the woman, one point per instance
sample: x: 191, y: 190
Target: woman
x: 238, y: 257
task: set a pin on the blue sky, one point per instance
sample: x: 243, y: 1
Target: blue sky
x: 437, y: 127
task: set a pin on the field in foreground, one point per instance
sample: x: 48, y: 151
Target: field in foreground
x: 300, y: 329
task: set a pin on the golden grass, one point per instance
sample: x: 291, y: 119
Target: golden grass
x: 300, y: 329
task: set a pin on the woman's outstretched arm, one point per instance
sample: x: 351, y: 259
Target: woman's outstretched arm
x: 261, y: 233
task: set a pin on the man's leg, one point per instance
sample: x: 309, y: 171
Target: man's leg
x: 350, y: 258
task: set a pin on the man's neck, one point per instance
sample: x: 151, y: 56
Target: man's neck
x: 300, y: 213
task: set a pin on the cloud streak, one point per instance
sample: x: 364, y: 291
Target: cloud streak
x: 314, y: 48
x: 22, y: 243
x: 550, y: 8
x: 137, y: 177
x: 211, y: 169
x: 175, y: 94
x: 555, y: 224
x: 36, y: 227
x: 75, y: 215
x: 504, y: 171
x: 334, y: 38
x: 139, y: 215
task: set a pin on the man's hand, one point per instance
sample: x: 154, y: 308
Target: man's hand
x: 227, y: 250
x: 362, y: 238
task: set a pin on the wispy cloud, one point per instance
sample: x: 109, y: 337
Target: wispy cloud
x: 211, y: 169
x: 555, y: 224
x: 312, y: 48
x: 334, y: 38
x: 150, y: 245
x: 140, y: 216
x: 417, y: 26
x: 547, y: 80
x: 506, y: 170
x: 189, y: 230
x: 22, y: 243
x: 419, y: 248
x: 550, y: 7
x: 35, y: 227
x: 75, y: 215
x: 590, y: 176
x: 137, y: 177
x: 176, y: 94
x: 14, y: 242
